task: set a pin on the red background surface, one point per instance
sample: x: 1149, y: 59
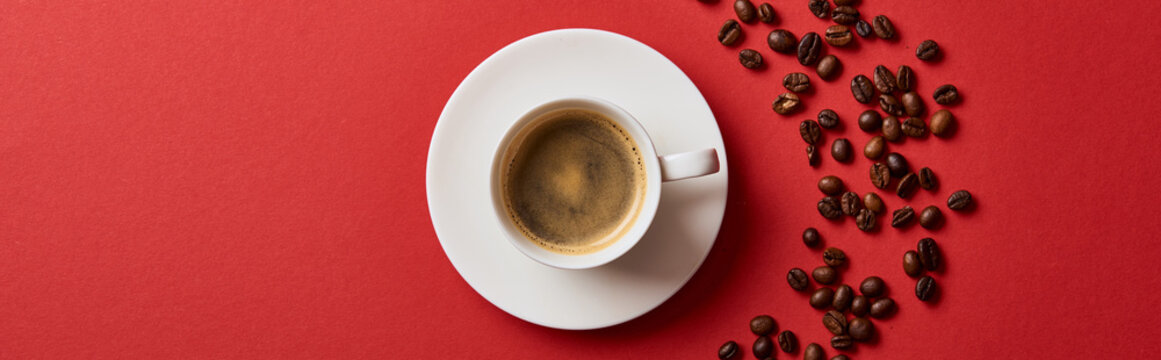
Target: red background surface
x: 246, y: 180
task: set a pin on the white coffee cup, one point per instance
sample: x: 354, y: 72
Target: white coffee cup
x: 658, y: 169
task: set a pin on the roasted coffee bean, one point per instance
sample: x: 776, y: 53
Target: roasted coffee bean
x: 861, y: 329
x: 959, y: 200
x: 902, y: 217
x: 865, y: 220
x: 946, y: 94
x: 870, y: 121
x: 875, y: 148
x: 786, y: 104
x: 892, y: 130
x: 766, y: 13
x: 821, y: 298
x: 830, y: 185
x: 925, y: 288
x: 811, y: 237
x: 882, y: 308
x: 842, y: 298
x: 838, y: 35
x: 841, y: 342
x: 873, y: 286
x: 810, y: 131
x: 762, y: 325
x: 828, y: 119
x: 835, y: 322
x: 929, y: 254
x: 907, y: 186
x: 863, y: 28
x: 884, y: 80
x: 730, y: 32
x: 834, y: 257
x: 942, y: 123
x: 829, y: 208
x: 809, y: 49
x: 914, y: 127
x: 898, y: 165
x: 820, y: 8
x: 787, y: 342
x: 931, y: 217
x: 825, y: 275
x: 845, y: 2
x: 851, y: 203
x: 912, y: 103
x: 862, y: 89
x: 745, y: 11
x: 872, y: 202
x: 829, y: 67
x: 927, y: 179
x: 904, y: 78
x: 782, y: 41
x: 927, y: 50
x: 797, y: 279
x: 883, y: 27
x: 813, y: 352
x: 845, y: 15
x: 890, y: 105
x: 796, y: 82
x: 728, y: 350
x: 812, y: 156
x: 750, y: 59
x: 880, y: 175
x: 912, y: 266
x: 860, y: 305
x: 840, y: 357
x: 763, y: 347
x: 841, y: 150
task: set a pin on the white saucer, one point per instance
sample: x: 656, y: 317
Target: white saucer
x: 531, y: 71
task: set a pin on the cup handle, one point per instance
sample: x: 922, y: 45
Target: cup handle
x: 689, y: 164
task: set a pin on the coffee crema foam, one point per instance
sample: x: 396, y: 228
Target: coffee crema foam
x: 574, y: 183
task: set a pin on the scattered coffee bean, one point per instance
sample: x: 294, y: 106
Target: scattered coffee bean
x: 907, y: 186
x: 875, y: 148
x: 841, y: 150
x: 829, y: 67
x: 927, y: 50
x: 959, y: 200
x: 882, y: 308
x: 860, y: 305
x: 812, y: 156
x: 845, y: 15
x: 925, y: 288
x: 787, y: 103
x: 745, y: 11
x: 830, y: 185
x: 863, y: 28
x: 796, y: 82
x: 929, y: 254
x: 892, y: 131
x: 842, y: 298
x: 931, y: 217
x: 787, y: 342
x: 897, y: 164
x: 883, y: 27
x: 810, y: 131
x: 838, y: 35
x: 750, y: 59
x: 851, y: 203
x: 813, y: 352
x: 872, y: 286
x: 865, y: 220
x: 845, y: 2
x: 811, y: 237
x: 912, y: 103
x: 902, y: 217
x: 872, y: 202
x: 862, y: 89
x: 904, y: 78
x: 820, y: 8
x: 914, y: 127
x: 762, y: 325
x: 835, y: 322
x: 885, y: 81
x: 798, y: 279
x: 880, y: 175
x: 821, y: 298
x: 861, y: 329
x: 946, y: 94
x: 828, y: 119
x: 840, y: 357
x: 890, y: 105
x: 763, y: 347
x: 912, y: 266
x: 841, y: 342
x: 927, y: 179
x: 829, y: 208
x: 870, y: 121
x: 782, y: 41
x: 766, y: 13
x: 809, y: 49
x: 825, y: 275
x: 942, y: 123
x: 728, y: 350
x: 730, y: 32
x: 834, y: 257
